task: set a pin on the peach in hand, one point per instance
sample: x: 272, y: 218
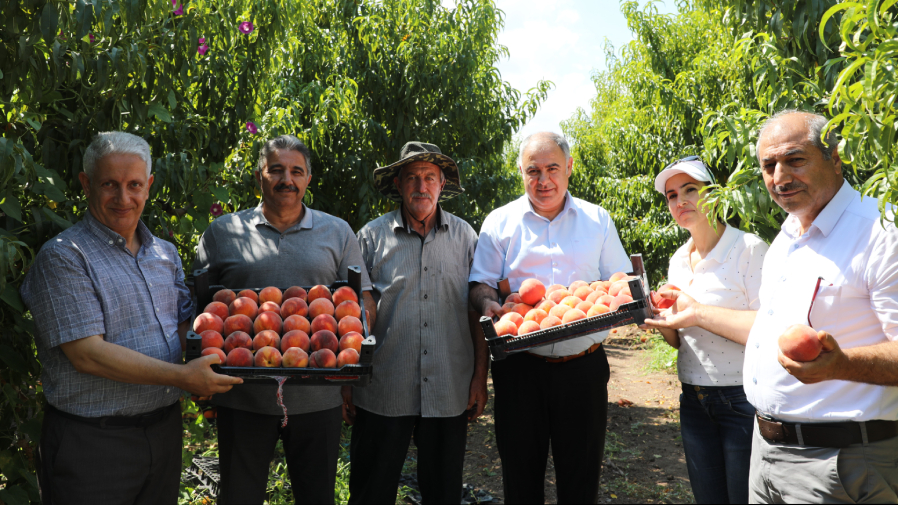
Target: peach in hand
x: 800, y: 343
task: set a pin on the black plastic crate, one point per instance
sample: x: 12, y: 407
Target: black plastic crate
x: 355, y: 375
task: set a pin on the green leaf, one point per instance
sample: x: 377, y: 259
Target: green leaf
x: 64, y: 223
x: 10, y: 295
x: 156, y: 109
x: 10, y: 205
x: 221, y: 194
x: 14, y: 495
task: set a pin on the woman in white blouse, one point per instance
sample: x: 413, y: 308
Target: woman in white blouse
x: 719, y: 267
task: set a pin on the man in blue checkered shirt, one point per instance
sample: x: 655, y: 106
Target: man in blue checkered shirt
x: 111, y: 313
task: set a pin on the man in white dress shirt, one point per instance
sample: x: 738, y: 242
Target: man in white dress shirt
x: 557, y: 392
x: 826, y: 429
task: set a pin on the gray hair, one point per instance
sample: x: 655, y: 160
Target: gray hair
x: 815, y: 123
x: 559, y: 140
x: 106, y: 143
x: 287, y: 142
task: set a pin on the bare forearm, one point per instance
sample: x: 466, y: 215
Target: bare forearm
x: 95, y: 356
x: 481, y: 349
x: 730, y: 324
x: 874, y: 364
x: 672, y: 337
x: 482, y: 294
x: 371, y: 307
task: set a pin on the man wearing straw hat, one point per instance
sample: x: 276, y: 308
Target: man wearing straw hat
x: 430, y: 377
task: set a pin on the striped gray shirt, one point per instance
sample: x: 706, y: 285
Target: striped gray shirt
x: 86, y: 282
x: 425, y: 357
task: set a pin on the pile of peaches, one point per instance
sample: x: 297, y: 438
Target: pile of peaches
x: 535, y: 307
x: 273, y: 328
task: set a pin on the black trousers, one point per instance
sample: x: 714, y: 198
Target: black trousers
x: 379, y: 446
x: 564, y: 404
x: 246, y: 444
x: 89, y: 464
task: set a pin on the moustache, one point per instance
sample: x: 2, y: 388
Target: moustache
x: 422, y: 195
x: 286, y: 187
x: 786, y: 188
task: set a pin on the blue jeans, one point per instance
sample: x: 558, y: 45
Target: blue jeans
x: 716, y: 424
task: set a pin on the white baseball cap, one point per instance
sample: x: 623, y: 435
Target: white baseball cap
x: 690, y: 165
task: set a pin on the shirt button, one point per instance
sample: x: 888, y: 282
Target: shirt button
x: 167, y: 390
x: 425, y: 297
x: 425, y: 352
x: 157, y: 309
x: 757, y: 345
x: 754, y: 380
x: 425, y: 269
x: 425, y: 325
x: 425, y: 379
x: 110, y: 242
x: 770, y: 312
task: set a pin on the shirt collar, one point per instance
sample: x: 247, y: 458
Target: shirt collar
x: 568, y: 205
x: 307, y: 221
x: 828, y: 217
x: 106, y: 234
x: 399, y: 220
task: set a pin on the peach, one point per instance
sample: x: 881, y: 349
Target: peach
x: 620, y: 300
x: 268, y: 357
x: 215, y: 350
x: 522, y: 309
x: 249, y: 293
x: 296, y: 338
x: 528, y: 327
x: 225, y: 296
x: 661, y: 302
x: 323, y: 358
x: 508, y: 307
x: 317, y: 292
x: 240, y: 356
x: 553, y: 287
x: 294, y: 357
x: 559, y: 310
x: 577, y: 285
x: 295, y: 292
x: 349, y: 324
x: 219, y: 309
x: 570, y: 301
x: 348, y: 308
x: 595, y: 295
x: 616, y: 277
x: 582, y: 292
x: 514, y: 317
x: 506, y: 327
x: 324, y: 339
x: 266, y: 338
x: 211, y: 338
x: 597, y: 285
x: 293, y: 307
x: 270, y: 307
x: 800, y: 343
x: 268, y: 321
x: 352, y: 340
x: 573, y: 315
x: 558, y: 295
x: 320, y: 306
x: 546, y: 306
x: 324, y: 322
x: 237, y: 339
x: 347, y: 357
x: 550, y: 321
x: 584, y: 306
x: 535, y: 315
x: 206, y: 321
x: 605, y: 300
x: 271, y: 294
x: 532, y: 291
x: 620, y: 287
x: 297, y: 323
x: 245, y: 306
x: 598, y: 309
x: 344, y: 294
x: 514, y: 298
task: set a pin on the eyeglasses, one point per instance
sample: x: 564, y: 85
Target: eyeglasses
x: 693, y: 158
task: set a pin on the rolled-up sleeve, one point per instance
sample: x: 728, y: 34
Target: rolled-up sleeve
x: 489, y: 256
x: 185, y: 301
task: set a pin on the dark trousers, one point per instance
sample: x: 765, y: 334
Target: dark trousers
x: 379, y: 446
x: 566, y: 404
x: 246, y: 444
x: 717, y: 435
x: 89, y: 464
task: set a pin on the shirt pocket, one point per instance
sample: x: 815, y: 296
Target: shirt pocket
x: 824, y: 310
x: 453, y: 281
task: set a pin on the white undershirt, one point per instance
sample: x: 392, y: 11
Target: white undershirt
x: 729, y: 277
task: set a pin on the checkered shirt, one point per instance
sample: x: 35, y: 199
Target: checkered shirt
x: 85, y: 282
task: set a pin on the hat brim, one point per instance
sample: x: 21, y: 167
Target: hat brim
x: 680, y: 168
x: 384, y: 176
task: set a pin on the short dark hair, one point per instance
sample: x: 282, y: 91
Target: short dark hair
x: 288, y: 142
x: 815, y: 123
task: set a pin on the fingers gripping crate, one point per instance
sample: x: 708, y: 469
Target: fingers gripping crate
x: 634, y: 312
x: 355, y: 375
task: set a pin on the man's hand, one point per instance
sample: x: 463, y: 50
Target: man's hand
x: 477, y: 397
x: 200, y: 380
x: 348, y: 407
x: 824, y: 367
x: 683, y: 313
x: 491, y: 309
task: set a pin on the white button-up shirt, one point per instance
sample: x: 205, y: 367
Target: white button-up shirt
x: 581, y: 243
x: 729, y: 277
x: 857, y: 302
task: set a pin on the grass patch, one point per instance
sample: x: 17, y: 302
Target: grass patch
x: 662, y: 357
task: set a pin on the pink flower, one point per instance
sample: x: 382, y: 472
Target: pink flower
x: 202, y: 40
x: 215, y: 209
x: 251, y: 127
x: 245, y: 27
x: 202, y: 49
x: 91, y: 37
x: 171, y: 233
x: 180, y: 8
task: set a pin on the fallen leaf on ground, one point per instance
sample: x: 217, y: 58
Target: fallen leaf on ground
x: 623, y: 402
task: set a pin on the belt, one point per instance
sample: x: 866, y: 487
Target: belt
x: 563, y: 359
x: 137, y: 421
x: 833, y: 435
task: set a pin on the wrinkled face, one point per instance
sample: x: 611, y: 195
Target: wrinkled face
x: 684, y: 200
x: 284, y: 179
x: 546, y: 171
x: 797, y: 176
x: 420, y: 186
x: 118, y: 191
